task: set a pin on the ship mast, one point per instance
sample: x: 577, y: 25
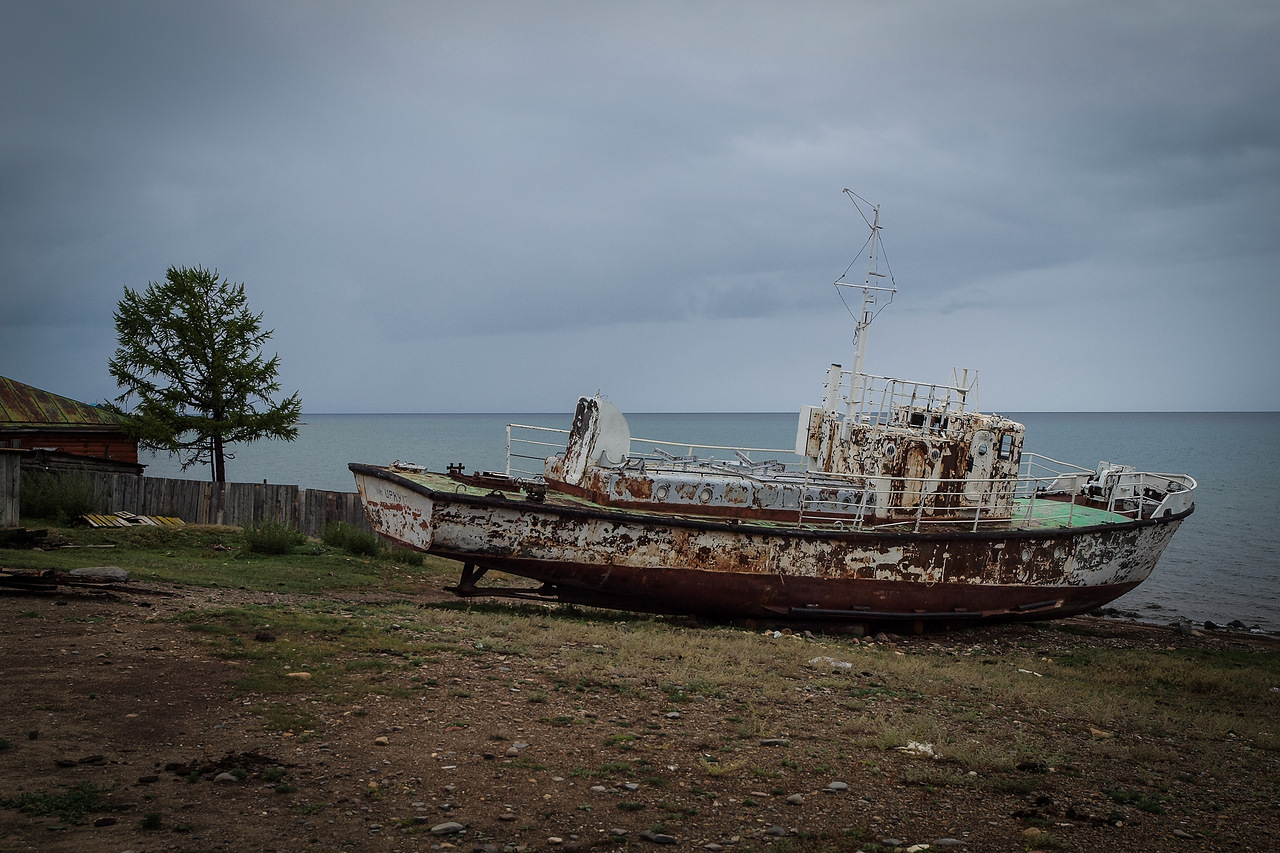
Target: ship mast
x: 869, y: 298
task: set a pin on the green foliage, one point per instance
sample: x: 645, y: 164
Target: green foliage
x: 364, y: 543
x: 404, y: 556
x: 614, y: 768
x: 190, y: 351
x: 69, y: 805
x: 271, y: 537
x: 351, y: 539
x: 277, y: 717
x: 1143, y: 802
x: 57, y: 496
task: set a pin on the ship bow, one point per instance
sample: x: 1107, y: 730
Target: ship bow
x: 395, y: 509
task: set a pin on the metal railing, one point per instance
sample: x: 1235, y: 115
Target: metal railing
x: 525, y: 448
x: 1066, y: 496
x: 741, y: 464
x: 520, y: 447
x: 1046, y: 493
x: 871, y: 399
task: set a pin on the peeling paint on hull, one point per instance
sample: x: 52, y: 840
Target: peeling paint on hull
x: 660, y: 563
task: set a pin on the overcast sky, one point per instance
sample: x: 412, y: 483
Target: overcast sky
x: 481, y: 206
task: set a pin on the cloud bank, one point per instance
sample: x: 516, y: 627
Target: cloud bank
x: 500, y: 206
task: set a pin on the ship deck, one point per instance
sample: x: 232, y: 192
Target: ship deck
x: 1039, y: 514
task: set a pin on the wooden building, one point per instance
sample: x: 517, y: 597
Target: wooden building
x: 60, y: 433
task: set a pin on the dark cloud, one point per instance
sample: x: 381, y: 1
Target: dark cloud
x: 421, y: 195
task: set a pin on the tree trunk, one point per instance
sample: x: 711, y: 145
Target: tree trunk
x: 219, y: 464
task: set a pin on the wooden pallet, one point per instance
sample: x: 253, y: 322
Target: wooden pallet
x: 124, y: 518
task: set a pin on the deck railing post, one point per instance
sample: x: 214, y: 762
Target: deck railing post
x: 804, y: 491
x: 920, y: 506
x: 508, y: 450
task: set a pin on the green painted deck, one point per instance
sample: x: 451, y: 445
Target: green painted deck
x: 1046, y: 514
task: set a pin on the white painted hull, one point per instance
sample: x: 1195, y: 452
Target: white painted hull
x: 645, y: 561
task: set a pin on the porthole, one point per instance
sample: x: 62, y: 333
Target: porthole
x: 705, y: 495
x: 1026, y: 555
x: 889, y: 451
x: 662, y: 491
x: 982, y: 448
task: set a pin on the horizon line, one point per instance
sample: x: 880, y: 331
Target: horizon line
x: 793, y: 413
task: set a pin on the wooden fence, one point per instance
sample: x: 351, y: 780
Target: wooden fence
x: 10, y: 471
x: 198, y: 502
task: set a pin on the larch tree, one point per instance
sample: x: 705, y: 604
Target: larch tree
x: 190, y: 352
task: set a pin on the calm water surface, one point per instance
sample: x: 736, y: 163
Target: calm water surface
x: 1223, y: 564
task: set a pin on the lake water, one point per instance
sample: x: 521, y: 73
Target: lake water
x: 1223, y: 563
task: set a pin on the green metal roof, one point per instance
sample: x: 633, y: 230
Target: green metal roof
x: 24, y: 406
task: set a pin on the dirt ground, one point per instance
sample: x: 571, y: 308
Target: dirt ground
x: 105, y: 691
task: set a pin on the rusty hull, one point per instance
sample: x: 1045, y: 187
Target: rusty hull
x: 662, y: 563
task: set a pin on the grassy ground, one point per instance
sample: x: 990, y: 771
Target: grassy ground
x: 1084, y: 734
x: 218, y: 557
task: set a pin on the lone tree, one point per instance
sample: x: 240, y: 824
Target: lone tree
x: 191, y: 352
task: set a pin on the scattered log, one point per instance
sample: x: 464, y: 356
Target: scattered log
x: 96, y: 579
x: 22, y: 537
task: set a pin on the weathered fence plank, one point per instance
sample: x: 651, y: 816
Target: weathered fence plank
x: 202, y: 502
x: 10, y: 469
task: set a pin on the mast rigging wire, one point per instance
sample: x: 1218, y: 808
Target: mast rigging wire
x: 855, y: 198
